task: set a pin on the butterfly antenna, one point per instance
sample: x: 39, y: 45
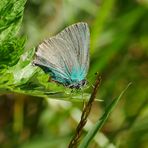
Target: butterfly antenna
x: 91, y: 84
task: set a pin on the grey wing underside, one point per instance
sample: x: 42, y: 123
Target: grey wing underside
x: 64, y: 51
x: 78, y: 37
x: 54, y: 54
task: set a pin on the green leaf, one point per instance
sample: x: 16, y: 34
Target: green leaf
x: 11, y: 47
x: 10, y: 51
x: 11, y: 14
x: 87, y: 139
x: 24, y: 69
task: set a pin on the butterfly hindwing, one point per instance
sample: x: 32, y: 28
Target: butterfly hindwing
x: 54, y: 54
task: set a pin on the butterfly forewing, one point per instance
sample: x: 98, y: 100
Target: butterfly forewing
x: 78, y: 36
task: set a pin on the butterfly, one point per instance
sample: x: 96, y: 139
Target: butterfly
x: 65, y: 56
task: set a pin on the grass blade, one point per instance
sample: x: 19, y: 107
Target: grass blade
x: 87, y: 139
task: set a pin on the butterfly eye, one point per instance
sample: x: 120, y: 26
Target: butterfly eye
x: 84, y: 82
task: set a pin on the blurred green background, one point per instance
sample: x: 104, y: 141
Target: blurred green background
x: 119, y: 52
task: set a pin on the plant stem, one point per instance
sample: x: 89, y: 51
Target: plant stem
x: 75, y: 140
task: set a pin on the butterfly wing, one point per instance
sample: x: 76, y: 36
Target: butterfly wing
x: 66, y: 56
x: 54, y: 56
x: 78, y: 37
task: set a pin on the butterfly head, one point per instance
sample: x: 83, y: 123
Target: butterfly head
x: 78, y: 85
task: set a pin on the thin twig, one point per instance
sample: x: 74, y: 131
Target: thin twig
x: 75, y: 140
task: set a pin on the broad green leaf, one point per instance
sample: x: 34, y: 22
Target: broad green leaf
x: 10, y: 51
x: 11, y: 47
x: 11, y: 14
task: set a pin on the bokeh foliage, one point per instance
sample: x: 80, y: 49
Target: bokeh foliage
x: 118, y: 48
